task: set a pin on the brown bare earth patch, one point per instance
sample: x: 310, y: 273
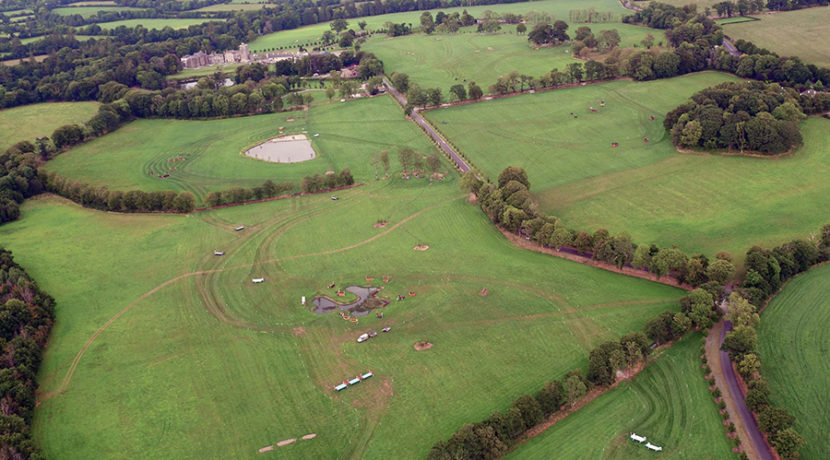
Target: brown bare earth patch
x: 289, y: 120
x: 298, y: 331
x: 329, y: 173
x: 422, y: 247
x: 472, y: 198
x: 422, y: 345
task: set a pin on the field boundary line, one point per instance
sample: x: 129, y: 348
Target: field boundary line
x: 520, y: 242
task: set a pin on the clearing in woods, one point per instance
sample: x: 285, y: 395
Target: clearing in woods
x: 349, y: 134
x: 28, y: 122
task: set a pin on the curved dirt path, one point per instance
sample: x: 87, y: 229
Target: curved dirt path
x: 77, y: 359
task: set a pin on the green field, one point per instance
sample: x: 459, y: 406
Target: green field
x: 444, y: 60
x: 702, y: 203
x: 349, y: 134
x: 212, y: 366
x: 80, y: 38
x: 234, y: 7
x: 793, y: 344
x: 156, y: 23
x: 559, y: 8
x: 227, y: 68
x: 88, y: 11
x: 668, y: 403
x: 28, y: 122
x: 803, y: 33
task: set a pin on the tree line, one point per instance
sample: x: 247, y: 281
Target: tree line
x: 104, y: 199
x: 767, y: 271
x: 495, y: 435
x: 510, y: 205
x: 19, y: 174
x: 238, y: 26
x: 26, y: 317
x: 752, y: 115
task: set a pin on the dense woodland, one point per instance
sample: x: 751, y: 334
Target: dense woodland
x: 26, y: 316
x: 752, y: 116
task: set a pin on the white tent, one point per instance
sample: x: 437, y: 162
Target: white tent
x: 637, y: 438
x: 258, y: 280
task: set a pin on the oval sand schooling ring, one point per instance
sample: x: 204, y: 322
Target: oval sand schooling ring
x: 292, y: 148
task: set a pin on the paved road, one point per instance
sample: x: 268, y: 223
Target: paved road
x: 731, y: 48
x: 756, y: 438
x: 462, y: 165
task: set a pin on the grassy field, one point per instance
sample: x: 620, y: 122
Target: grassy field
x: 702, y: 203
x: 212, y: 366
x: 205, y: 71
x: 668, y: 403
x: 125, y: 158
x: 25, y: 123
x: 803, y: 33
x: 156, y: 23
x: 793, y: 343
x: 80, y: 38
x: 445, y: 60
x: 558, y: 8
x: 88, y: 11
x: 234, y: 7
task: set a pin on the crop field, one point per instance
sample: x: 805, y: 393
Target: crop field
x: 644, y: 188
x: 210, y: 365
x: 88, y: 11
x: 28, y: 122
x: 156, y: 23
x: 668, y: 403
x: 560, y: 9
x: 803, y: 33
x: 349, y: 134
x: 792, y: 342
x: 443, y: 60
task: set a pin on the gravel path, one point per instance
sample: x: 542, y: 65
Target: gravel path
x: 462, y: 165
